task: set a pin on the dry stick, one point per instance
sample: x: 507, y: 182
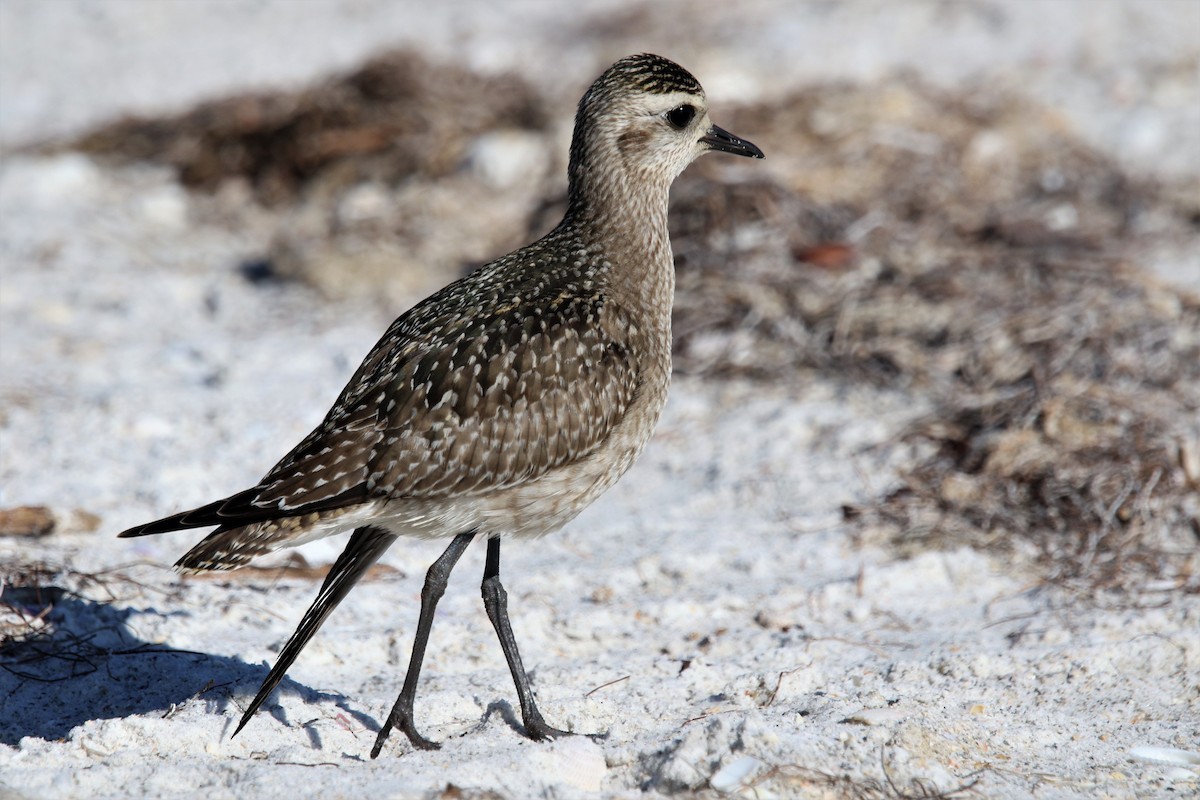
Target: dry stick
x: 605, y: 685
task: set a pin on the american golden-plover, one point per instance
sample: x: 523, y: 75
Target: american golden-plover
x: 507, y: 402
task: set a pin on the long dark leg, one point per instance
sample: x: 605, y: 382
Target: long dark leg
x: 365, y: 547
x: 435, y: 586
x: 495, y: 602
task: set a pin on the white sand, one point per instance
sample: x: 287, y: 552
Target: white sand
x: 742, y: 636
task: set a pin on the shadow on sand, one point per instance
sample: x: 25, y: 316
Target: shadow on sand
x: 86, y: 663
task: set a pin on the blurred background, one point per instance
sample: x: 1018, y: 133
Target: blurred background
x: 1122, y: 72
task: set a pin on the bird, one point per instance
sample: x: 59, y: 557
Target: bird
x: 502, y: 405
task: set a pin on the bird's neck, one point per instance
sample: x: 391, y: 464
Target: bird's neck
x: 625, y: 215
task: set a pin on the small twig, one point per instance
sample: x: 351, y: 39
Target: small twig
x: 708, y: 714
x: 778, y: 683
x: 605, y: 685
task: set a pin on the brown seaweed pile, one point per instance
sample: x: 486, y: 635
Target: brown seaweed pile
x: 383, y: 181
x: 978, y: 254
x: 397, y: 116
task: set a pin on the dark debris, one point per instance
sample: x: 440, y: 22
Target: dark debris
x: 396, y: 116
x: 978, y: 254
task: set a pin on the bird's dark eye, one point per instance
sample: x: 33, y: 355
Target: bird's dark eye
x: 682, y: 116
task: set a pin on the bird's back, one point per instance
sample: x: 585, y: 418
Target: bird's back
x: 522, y: 368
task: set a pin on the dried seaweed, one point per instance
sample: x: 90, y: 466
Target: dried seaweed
x: 397, y: 116
x: 1065, y: 382
x: 29, y: 592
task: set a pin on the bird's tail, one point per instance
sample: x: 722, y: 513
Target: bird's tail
x: 230, y: 547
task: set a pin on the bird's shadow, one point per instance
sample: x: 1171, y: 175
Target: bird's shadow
x: 82, y: 661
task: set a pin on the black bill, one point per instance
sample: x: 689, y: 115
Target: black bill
x: 726, y: 142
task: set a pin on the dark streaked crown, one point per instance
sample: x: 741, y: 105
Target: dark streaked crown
x: 645, y: 73
x: 650, y: 73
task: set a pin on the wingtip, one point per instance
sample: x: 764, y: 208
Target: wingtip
x: 164, y: 525
x: 245, y: 718
x: 200, y: 517
x: 136, y: 530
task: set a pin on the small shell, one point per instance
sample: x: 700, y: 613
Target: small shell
x: 1166, y: 755
x: 734, y: 774
x: 877, y: 716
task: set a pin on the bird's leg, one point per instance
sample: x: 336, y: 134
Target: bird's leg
x: 495, y: 602
x: 435, y: 586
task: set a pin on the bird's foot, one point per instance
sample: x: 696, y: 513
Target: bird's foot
x: 418, y: 741
x: 405, y: 724
x: 539, y: 730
